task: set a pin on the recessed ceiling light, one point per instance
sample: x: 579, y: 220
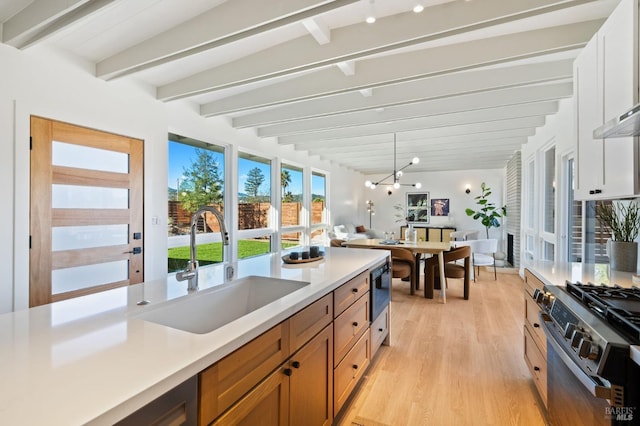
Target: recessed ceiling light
x: 418, y: 8
x: 370, y: 19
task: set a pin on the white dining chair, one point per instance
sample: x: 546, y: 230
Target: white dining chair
x: 483, y: 253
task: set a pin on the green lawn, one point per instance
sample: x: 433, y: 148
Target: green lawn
x: 212, y: 252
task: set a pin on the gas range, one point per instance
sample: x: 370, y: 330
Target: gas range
x: 591, y: 328
x: 618, y: 306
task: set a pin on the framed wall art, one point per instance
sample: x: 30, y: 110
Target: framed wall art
x: 440, y: 207
x: 418, y: 207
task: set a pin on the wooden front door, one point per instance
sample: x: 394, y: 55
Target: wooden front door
x: 86, y: 223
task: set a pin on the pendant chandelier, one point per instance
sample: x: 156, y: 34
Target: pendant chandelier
x: 397, y: 173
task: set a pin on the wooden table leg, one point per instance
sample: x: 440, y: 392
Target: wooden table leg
x: 443, y: 278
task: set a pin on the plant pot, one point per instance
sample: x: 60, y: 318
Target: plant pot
x: 623, y: 255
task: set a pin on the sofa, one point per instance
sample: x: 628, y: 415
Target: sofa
x: 351, y: 232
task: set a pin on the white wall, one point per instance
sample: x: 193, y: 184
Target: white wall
x: 446, y: 184
x: 53, y: 85
x: 559, y: 130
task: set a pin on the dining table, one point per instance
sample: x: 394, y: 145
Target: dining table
x: 418, y: 248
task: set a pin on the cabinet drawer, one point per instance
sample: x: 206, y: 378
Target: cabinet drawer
x: 266, y: 404
x: 532, y: 322
x: 229, y: 379
x: 379, y: 330
x: 349, y: 326
x: 537, y: 363
x: 531, y: 282
x: 349, y: 292
x: 310, y: 321
x: 350, y: 370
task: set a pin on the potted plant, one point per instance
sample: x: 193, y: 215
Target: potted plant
x: 622, y: 219
x: 487, y: 212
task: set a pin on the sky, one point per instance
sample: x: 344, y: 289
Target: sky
x: 180, y: 156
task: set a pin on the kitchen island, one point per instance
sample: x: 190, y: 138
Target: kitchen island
x: 90, y: 360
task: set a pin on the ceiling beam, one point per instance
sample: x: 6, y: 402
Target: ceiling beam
x: 439, y: 132
x: 43, y: 18
x: 438, y: 121
x: 229, y: 22
x: 362, y: 40
x: 411, y: 66
x: 455, y: 104
x: 416, y: 91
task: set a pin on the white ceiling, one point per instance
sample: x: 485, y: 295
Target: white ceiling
x: 462, y: 84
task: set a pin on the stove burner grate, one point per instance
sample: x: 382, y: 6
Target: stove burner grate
x: 619, y: 306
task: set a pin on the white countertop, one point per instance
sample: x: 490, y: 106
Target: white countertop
x: 89, y: 360
x: 558, y: 273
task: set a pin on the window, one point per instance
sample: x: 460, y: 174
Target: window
x: 195, y: 179
x: 319, y: 215
x: 291, y: 206
x: 549, y: 190
x: 254, y: 205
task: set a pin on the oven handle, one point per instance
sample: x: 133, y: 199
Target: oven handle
x: 595, y: 389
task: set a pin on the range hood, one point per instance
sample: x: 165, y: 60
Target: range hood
x: 627, y: 124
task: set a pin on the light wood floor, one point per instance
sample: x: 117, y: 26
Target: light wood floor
x: 459, y: 363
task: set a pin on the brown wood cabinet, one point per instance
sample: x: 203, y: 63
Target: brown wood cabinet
x: 349, y: 326
x: 350, y: 370
x: 311, y: 382
x: 535, y: 341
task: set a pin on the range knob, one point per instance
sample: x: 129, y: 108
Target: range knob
x: 586, y: 349
x: 569, y: 329
x: 577, y: 337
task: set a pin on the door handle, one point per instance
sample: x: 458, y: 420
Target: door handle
x: 136, y: 250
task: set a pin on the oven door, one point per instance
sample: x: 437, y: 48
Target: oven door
x: 573, y: 397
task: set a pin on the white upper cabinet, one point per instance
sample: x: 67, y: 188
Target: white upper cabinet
x: 606, y: 84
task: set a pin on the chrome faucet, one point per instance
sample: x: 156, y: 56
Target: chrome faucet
x: 191, y: 273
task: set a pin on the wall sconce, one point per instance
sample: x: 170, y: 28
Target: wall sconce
x: 467, y: 188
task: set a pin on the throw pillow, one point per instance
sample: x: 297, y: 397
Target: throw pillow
x: 360, y: 229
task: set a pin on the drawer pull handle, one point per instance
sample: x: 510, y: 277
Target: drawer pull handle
x: 381, y: 330
x: 355, y: 324
x: 536, y: 368
x: 536, y: 325
x: 354, y: 290
x: 355, y: 366
x: 295, y: 364
x: 287, y: 372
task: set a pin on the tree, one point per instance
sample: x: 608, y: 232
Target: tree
x: 255, y: 178
x: 285, y: 181
x: 487, y: 212
x: 202, y: 185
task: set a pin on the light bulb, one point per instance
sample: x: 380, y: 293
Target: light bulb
x: 373, y: 186
x: 418, y: 185
x: 399, y: 174
x: 396, y: 185
x: 415, y: 160
x: 367, y: 183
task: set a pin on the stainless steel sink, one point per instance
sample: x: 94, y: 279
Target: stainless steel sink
x: 210, y: 309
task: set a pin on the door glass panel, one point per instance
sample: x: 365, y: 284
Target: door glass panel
x: 69, y: 279
x: 79, y: 237
x: 85, y: 157
x: 88, y: 197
